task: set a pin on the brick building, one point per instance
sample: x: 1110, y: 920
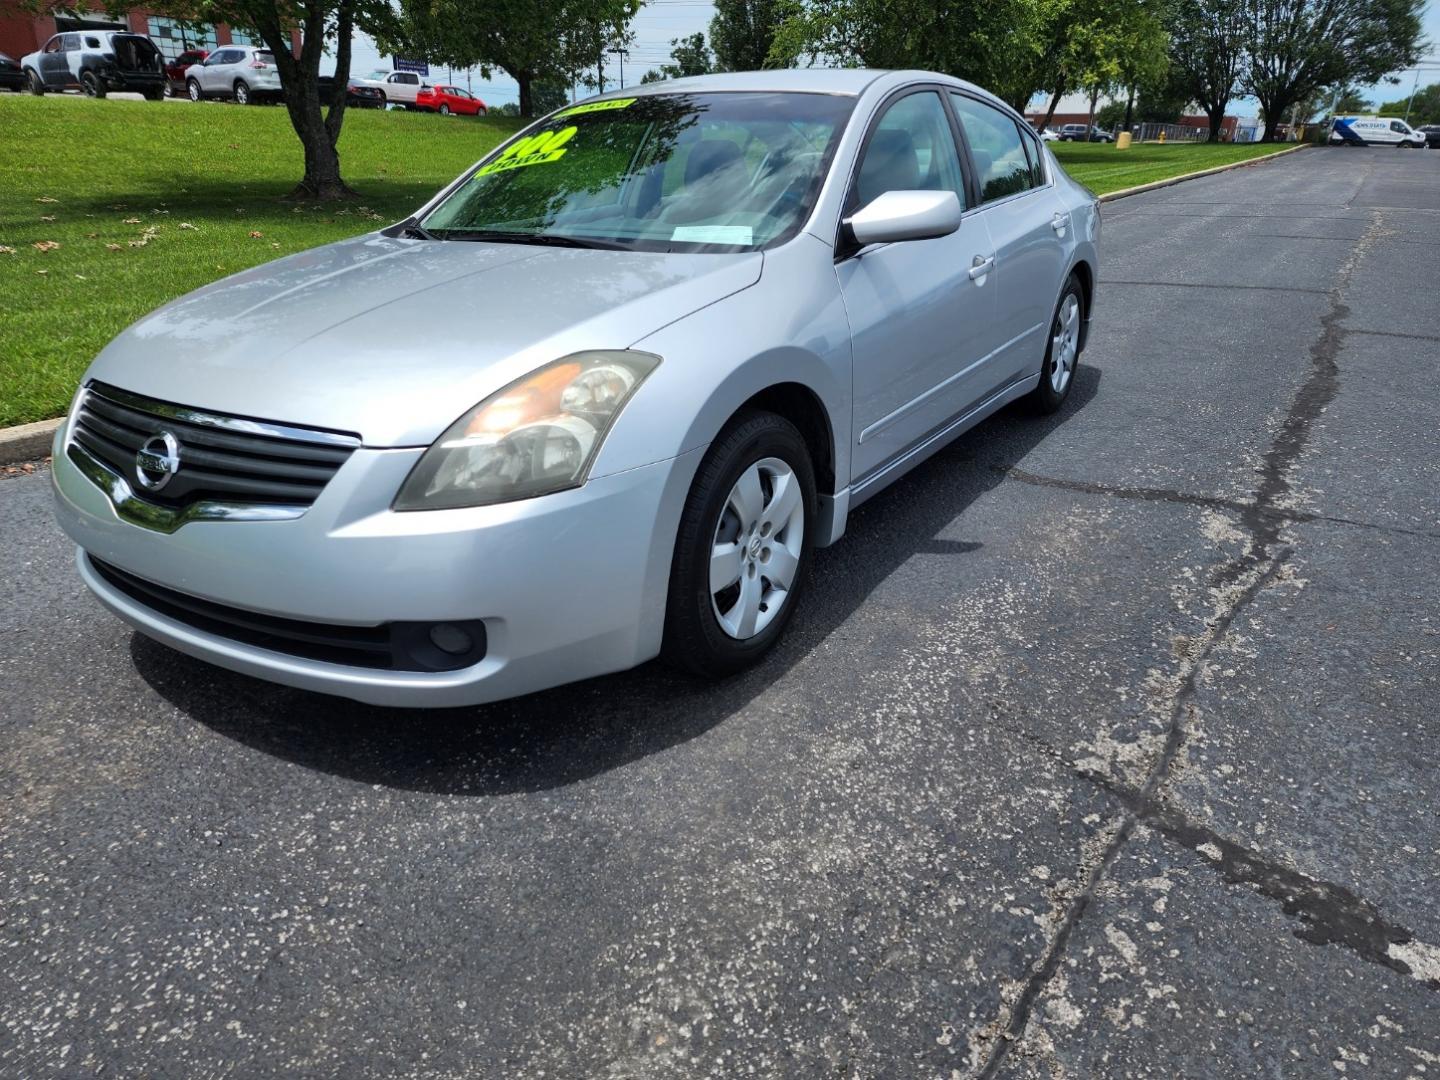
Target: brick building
x: 22, y: 32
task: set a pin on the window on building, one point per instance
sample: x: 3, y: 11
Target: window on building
x: 173, y: 37
x: 241, y: 37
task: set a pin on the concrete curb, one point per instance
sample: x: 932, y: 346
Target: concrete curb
x: 28, y: 442
x: 1171, y: 180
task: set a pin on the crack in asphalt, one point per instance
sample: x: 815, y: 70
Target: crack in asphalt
x: 1241, y: 580
x: 1207, y: 502
x: 1330, y: 914
x: 1227, y: 286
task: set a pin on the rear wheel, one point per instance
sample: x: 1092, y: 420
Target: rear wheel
x: 193, y: 89
x: 742, y: 549
x: 35, y: 83
x: 444, y: 109
x: 242, y: 92
x: 169, y: 88
x: 91, y: 85
x: 1062, y: 356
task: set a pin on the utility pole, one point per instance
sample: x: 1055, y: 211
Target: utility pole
x: 1411, y: 101
x: 600, y: 69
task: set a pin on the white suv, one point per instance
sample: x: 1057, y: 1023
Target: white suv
x: 97, y: 61
x: 242, y: 72
x: 396, y: 87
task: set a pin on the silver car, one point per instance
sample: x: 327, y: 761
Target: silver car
x: 247, y: 74
x: 597, y: 401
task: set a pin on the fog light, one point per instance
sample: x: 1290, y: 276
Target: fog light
x: 449, y: 638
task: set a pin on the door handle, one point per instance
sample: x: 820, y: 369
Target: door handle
x: 983, y: 265
x: 1060, y: 223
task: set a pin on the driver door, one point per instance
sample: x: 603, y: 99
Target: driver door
x: 919, y: 310
x: 54, y: 65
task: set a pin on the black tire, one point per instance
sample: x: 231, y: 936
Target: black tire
x: 1045, y: 399
x: 91, y: 85
x: 158, y: 94
x: 193, y: 89
x: 694, y: 639
x: 35, y: 84
x: 242, y: 94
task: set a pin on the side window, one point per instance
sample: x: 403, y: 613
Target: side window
x: 72, y: 42
x: 92, y: 43
x: 55, y: 44
x: 1396, y: 125
x: 911, y: 148
x: 1000, y: 161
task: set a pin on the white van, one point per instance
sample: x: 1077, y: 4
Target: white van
x: 1374, y: 131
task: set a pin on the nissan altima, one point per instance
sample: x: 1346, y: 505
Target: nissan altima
x: 596, y: 402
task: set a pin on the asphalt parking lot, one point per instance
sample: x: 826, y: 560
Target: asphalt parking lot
x: 1104, y: 745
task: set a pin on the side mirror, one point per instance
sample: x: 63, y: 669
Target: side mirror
x: 905, y: 215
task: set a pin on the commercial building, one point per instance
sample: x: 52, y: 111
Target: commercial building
x: 24, y: 32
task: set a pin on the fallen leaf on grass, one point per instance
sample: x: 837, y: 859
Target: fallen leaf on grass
x: 47, y: 217
x: 92, y: 236
x: 256, y: 234
x: 132, y: 221
x: 45, y: 245
x: 42, y: 273
x: 6, y: 249
x: 46, y: 198
x: 187, y: 225
x: 113, y: 247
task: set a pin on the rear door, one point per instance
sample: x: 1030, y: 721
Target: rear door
x: 1028, y: 227
x: 917, y: 315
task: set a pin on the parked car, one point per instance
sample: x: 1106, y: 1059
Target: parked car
x: 1080, y: 133
x: 577, y: 411
x: 1432, y: 135
x: 98, y: 62
x: 396, y: 87
x: 356, y: 96
x: 12, y: 75
x: 175, y: 70
x: 1375, y: 131
x: 450, y: 99
x: 1048, y: 135
x: 242, y: 72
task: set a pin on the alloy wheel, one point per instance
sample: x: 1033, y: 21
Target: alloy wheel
x: 1064, y: 343
x: 757, y: 547
x: 242, y: 94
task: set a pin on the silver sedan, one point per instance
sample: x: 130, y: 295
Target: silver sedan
x: 598, y: 401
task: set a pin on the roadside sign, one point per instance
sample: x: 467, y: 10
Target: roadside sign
x: 419, y: 67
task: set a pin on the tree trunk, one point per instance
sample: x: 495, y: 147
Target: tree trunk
x: 523, y: 80
x: 1217, y: 123
x: 1050, y: 112
x: 1129, y: 107
x: 300, y: 79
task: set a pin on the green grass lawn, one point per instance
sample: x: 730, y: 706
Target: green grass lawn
x: 148, y: 201
x: 1102, y: 168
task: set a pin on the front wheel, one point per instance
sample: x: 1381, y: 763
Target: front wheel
x: 742, y: 549
x: 169, y: 88
x: 1057, y: 373
x: 193, y: 89
x: 35, y: 83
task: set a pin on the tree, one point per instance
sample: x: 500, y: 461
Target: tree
x: 1352, y: 101
x: 1295, y: 48
x: 1423, y: 109
x: 990, y: 42
x: 742, y: 33
x: 688, y: 56
x: 532, y: 41
x: 1111, y: 115
x: 1206, y: 54
x: 275, y: 21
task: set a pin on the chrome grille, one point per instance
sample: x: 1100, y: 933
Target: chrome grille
x: 227, y: 459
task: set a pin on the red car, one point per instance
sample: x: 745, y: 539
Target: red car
x: 175, y: 70
x: 448, y: 100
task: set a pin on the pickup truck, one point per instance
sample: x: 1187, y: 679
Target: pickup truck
x: 396, y: 87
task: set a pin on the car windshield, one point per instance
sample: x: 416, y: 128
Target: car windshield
x: 669, y: 172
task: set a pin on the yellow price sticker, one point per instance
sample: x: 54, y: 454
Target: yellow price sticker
x: 539, y: 149
x: 597, y: 106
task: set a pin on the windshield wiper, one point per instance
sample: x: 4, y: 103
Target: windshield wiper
x: 411, y: 229
x: 501, y: 236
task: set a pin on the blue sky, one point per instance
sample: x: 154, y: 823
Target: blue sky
x: 661, y: 20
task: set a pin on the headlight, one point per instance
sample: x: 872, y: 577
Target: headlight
x: 537, y: 435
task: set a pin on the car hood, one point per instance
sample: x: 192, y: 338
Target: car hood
x: 394, y: 339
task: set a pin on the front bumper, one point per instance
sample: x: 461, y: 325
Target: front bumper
x: 569, y: 585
